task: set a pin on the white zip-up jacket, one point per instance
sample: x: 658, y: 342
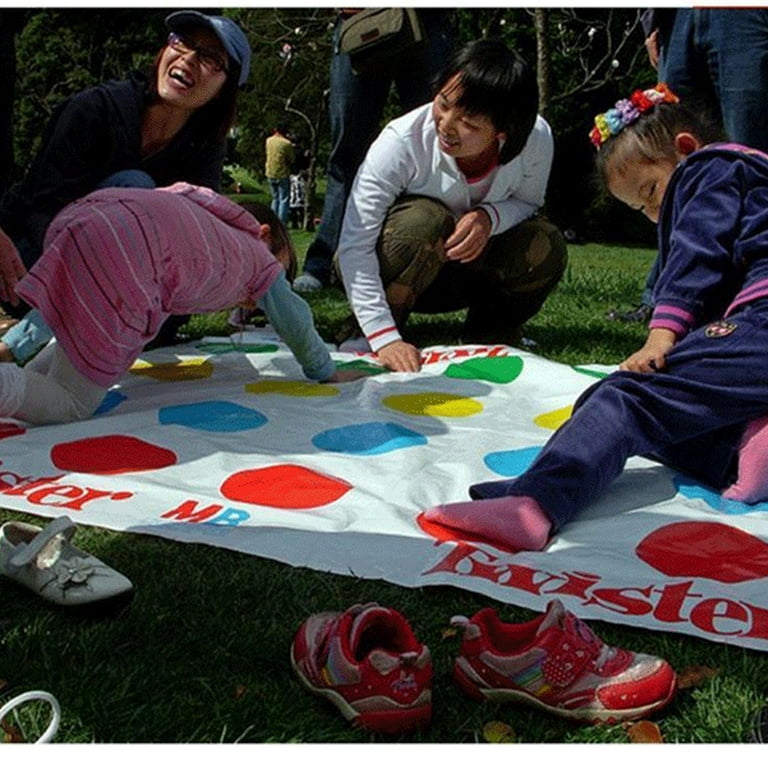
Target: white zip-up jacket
x: 406, y: 159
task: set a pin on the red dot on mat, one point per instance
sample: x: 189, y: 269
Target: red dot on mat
x: 8, y: 429
x: 441, y: 533
x: 111, y: 455
x: 705, y: 550
x: 286, y: 486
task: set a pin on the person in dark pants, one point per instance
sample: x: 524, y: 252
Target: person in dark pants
x: 280, y: 159
x: 717, y: 60
x: 356, y: 103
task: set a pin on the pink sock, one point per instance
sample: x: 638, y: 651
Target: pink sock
x: 517, y: 522
x: 751, y: 484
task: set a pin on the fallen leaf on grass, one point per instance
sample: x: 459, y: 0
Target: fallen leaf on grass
x: 240, y: 691
x: 11, y: 734
x: 448, y: 633
x: 645, y: 732
x: 497, y: 732
x: 694, y: 676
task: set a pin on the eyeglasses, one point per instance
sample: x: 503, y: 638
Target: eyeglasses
x: 210, y: 60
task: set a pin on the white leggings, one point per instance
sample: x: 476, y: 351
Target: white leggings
x: 48, y: 390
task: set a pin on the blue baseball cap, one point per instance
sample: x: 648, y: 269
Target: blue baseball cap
x: 231, y: 36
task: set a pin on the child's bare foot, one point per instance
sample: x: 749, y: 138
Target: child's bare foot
x: 517, y: 522
x: 751, y: 485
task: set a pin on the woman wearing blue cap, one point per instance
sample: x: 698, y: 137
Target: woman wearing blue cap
x: 140, y: 132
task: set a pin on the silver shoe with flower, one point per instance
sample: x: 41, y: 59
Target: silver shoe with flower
x: 45, y: 561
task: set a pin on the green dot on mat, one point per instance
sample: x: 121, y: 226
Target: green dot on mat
x: 219, y: 348
x: 586, y: 371
x: 361, y: 365
x: 500, y: 370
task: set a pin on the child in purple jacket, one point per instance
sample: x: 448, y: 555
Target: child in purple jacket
x: 696, y: 394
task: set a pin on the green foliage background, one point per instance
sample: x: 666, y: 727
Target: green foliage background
x: 595, y: 56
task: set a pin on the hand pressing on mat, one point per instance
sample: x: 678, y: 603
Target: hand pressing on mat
x: 652, y: 356
x: 400, y: 356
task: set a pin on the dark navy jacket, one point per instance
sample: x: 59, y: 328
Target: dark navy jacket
x: 713, y: 237
x: 92, y: 135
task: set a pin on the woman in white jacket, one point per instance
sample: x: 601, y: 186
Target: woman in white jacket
x: 443, y: 211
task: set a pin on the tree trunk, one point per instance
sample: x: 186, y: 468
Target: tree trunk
x: 543, y: 59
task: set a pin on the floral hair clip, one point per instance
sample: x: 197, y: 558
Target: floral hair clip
x: 627, y: 111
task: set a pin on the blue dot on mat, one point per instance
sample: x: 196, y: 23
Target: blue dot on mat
x: 511, y: 463
x: 212, y: 416
x: 689, y: 488
x: 368, y: 439
x: 111, y: 400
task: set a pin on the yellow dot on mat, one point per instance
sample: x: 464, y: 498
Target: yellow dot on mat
x: 434, y: 404
x: 554, y: 419
x: 292, y: 388
x: 182, y: 370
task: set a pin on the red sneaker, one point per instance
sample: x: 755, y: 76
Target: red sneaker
x: 556, y: 663
x: 367, y: 662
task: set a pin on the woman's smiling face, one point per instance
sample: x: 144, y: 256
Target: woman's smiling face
x: 460, y: 134
x: 192, y: 69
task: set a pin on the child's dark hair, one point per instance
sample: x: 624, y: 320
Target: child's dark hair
x: 280, y: 238
x: 652, y: 136
x: 498, y: 83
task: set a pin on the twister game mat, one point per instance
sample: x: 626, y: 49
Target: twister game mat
x: 224, y: 443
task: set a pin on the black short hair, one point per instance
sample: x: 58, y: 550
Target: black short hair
x: 280, y: 236
x: 498, y: 83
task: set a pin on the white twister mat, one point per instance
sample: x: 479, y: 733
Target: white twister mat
x: 224, y: 443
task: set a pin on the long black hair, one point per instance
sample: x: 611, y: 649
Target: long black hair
x: 498, y: 83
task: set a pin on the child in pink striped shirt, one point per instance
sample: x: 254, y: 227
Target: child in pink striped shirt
x: 117, y: 263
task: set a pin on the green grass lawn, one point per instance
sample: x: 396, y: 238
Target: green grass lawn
x: 202, y: 653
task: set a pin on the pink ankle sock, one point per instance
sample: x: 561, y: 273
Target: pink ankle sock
x: 518, y: 522
x: 751, y: 484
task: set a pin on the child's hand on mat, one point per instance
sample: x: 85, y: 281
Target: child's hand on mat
x: 400, y: 356
x: 469, y: 237
x: 652, y: 356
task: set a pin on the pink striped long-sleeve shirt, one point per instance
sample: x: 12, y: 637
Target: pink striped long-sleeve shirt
x: 118, y: 262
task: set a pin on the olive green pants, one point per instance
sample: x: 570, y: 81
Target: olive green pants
x: 501, y: 289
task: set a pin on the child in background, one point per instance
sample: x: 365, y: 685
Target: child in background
x: 118, y: 262
x: 695, y: 395
x: 297, y: 199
